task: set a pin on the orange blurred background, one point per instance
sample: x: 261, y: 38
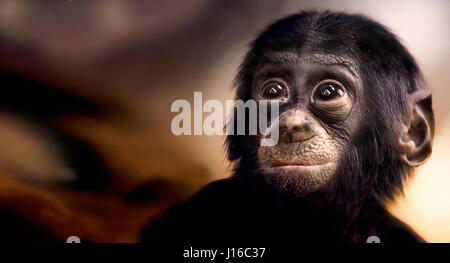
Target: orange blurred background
x: 107, y: 72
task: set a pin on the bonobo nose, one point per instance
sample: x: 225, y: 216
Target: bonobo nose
x: 292, y: 131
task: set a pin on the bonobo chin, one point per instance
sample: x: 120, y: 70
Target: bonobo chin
x: 355, y: 119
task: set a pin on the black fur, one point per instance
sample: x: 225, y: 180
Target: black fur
x: 371, y: 172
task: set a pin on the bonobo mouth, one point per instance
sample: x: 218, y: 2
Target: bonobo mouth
x: 316, y: 154
x: 297, y: 166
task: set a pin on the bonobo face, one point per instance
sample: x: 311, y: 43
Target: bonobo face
x: 319, y: 112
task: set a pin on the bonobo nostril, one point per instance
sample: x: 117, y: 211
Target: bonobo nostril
x: 299, y: 127
x: 295, y: 132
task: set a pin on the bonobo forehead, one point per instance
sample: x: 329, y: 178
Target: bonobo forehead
x: 321, y: 58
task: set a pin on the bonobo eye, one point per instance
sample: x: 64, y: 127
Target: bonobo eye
x: 328, y: 90
x: 274, y: 89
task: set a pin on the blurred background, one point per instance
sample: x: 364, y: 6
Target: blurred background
x: 86, y: 88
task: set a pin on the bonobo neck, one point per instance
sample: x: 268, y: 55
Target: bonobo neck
x: 351, y: 223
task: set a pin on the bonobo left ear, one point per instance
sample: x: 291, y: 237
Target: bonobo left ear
x: 416, y: 137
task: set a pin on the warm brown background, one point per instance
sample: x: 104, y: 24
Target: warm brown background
x: 140, y: 56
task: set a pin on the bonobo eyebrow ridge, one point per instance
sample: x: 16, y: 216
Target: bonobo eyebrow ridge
x: 319, y: 58
x: 331, y: 59
x: 279, y: 57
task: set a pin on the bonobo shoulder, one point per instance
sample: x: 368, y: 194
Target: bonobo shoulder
x: 210, y: 206
x: 391, y: 230
x: 220, y: 191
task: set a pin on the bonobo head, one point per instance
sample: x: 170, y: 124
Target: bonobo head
x: 355, y: 117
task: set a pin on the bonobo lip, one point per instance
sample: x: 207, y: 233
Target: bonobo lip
x: 303, y: 140
x: 296, y: 166
x: 293, y: 142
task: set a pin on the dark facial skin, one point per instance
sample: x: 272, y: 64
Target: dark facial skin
x: 319, y: 98
x: 355, y: 119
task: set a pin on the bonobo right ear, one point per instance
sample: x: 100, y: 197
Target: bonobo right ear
x: 415, y: 140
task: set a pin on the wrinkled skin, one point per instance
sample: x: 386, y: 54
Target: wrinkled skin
x: 309, y: 149
x: 355, y: 119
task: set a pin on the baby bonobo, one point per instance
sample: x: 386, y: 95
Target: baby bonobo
x: 355, y: 118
